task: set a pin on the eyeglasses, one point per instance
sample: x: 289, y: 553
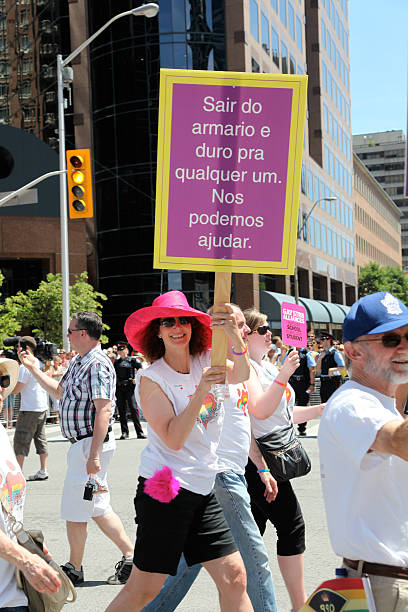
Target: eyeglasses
x: 261, y: 330
x: 388, y: 340
x: 172, y: 321
x: 4, y: 381
x: 70, y: 331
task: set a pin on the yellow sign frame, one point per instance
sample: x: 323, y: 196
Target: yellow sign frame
x: 298, y: 85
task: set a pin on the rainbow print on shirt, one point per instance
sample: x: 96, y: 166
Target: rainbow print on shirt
x: 208, y: 410
x: 242, y: 403
x: 340, y: 595
x: 13, y: 484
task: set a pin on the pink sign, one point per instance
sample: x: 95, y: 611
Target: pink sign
x: 294, y: 328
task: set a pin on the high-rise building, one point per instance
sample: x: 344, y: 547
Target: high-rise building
x: 115, y: 104
x: 383, y: 154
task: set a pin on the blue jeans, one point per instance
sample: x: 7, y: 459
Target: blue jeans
x: 230, y: 489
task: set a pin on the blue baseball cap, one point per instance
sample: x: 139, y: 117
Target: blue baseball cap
x: 374, y: 314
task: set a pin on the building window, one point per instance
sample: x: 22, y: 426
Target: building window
x: 329, y: 241
x: 292, y: 65
x: 303, y: 179
x: 265, y: 34
x: 318, y: 235
x: 325, y: 118
x: 323, y: 34
x: 310, y: 185
x: 4, y: 68
x: 324, y: 76
x: 299, y: 34
x: 274, y: 4
x: 312, y: 231
x: 316, y: 189
x: 254, y: 65
x: 284, y: 54
x: 275, y: 48
x: 254, y: 20
x: 4, y: 89
x: 324, y: 239
x: 282, y: 11
x: 291, y: 21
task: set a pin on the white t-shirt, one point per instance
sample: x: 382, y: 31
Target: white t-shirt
x: 33, y: 397
x: 267, y: 374
x: 366, y: 494
x: 196, y: 463
x: 235, y: 439
x: 13, y: 485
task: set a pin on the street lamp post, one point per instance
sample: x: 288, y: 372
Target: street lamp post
x: 299, y: 233
x: 64, y: 78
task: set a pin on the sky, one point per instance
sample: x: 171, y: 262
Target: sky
x: 378, y: 64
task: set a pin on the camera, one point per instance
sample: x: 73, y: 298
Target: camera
x: 45, y: 350
x: 89, y: 490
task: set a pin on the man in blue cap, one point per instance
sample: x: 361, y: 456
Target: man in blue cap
x: 363, y: 443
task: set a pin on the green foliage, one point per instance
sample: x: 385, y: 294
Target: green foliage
x: 41, y: 309
x: 8, y: 322
x: 374, y: 277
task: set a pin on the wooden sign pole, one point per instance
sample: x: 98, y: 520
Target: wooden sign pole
x: 222, y: 293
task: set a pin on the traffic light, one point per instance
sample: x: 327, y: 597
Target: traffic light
x: 79, y: 180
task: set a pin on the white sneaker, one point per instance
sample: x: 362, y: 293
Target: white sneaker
x: 40, y: 475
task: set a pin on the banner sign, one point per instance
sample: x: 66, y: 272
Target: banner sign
x: 229, y: 165
x: 294, y: 327
x: 342, y: 595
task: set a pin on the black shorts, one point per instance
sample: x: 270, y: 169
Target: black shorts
x: 192, y: 524
x: 284, y: 513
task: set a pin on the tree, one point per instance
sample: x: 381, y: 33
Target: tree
x: 8, y: 323
x: 41, y: 309
x: 374, y: 277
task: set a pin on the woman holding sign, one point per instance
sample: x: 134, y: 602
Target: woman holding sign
x: 284, y: 511
x: 176, y: 510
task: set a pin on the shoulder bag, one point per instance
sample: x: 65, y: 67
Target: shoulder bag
x: 33, y: 541
x: 283, y: 452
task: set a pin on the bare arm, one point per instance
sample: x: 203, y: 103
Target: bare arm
x: 271, y: 486
x: 264, y: 403
x: 18, y: 388
x: 307, y: 413
x: 51, y: 386
x: 392, y: 438
x: 238, y: 365
x: 174, y: 429
x: 42, y: 577
x: 100, y: 427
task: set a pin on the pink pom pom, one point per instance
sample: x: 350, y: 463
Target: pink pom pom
x: 162, y: 486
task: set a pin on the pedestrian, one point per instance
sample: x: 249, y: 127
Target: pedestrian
x: 87, y: 403
x: 32, y: 415
x: 38, y: 573
x: 231, y: 491
x: 329, y: 358
x: 184, y: 425
x: 363, y: 442
x: 126, y: 368
x: 283, y: 511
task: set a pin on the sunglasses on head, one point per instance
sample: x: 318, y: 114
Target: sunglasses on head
x: 261, y: 330
x: 171, y: 321
x: 388, y: 340
x: 4, y: 381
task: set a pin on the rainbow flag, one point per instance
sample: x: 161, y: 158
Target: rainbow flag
x: 341, y: 595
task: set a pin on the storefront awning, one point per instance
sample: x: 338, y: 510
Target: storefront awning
x: 317, y: 311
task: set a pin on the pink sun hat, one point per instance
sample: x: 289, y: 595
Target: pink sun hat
x: 170, y: 304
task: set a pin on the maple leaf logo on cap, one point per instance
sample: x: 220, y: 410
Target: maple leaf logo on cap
x: 391, y: 304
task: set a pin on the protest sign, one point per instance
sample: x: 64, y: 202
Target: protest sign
x: 228, y: 172
x: 294, y: 328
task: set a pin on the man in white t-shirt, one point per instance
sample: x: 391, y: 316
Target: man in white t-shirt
x: 363, y: 443
x: 32, y: 416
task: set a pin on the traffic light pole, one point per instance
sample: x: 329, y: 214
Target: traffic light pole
x: 145, y: 10
x: 63, y: 205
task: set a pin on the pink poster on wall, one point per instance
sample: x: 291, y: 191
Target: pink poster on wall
x: 294, y: 327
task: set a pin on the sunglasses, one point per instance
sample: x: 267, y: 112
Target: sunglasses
x: 172, y: 321
x: 261, y: 330
x: 388, y: 340
x: 70, y: 331
x: 4, y: 381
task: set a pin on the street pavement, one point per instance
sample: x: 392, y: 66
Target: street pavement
x: 42, y: 511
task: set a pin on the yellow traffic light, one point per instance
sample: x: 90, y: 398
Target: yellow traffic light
x: 79, y: 179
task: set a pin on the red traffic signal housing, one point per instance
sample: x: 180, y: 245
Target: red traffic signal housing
x: 79, y: 179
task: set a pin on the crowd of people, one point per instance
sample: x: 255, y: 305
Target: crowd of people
x: 202, y: 471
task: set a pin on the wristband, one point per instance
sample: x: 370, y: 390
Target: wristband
x: 277, y: 382
x: 265, y: 470
x: 93, y: 458
x: 243, y: 352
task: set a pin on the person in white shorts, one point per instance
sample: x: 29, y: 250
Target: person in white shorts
x: 87, y: 394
